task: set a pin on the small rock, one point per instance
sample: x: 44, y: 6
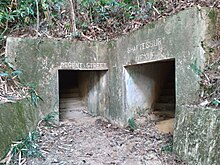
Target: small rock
x: 204, y: 103
x: 55, y: 161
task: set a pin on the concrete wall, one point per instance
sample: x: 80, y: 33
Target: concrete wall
x: 40, y: 61
x: 162, y: 40
x: 197, y: 136
x: 186, y: 37
x: 16, y: 120
x: 95, y: 88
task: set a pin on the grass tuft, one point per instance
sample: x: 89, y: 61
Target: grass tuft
x: 22, y: 149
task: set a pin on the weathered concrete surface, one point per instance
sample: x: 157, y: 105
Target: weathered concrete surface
x: 178, y: 37
x: 94, y: 85
x: 197, y: 136
x: 40, y: 61
x: 186, y: 37
x: 16, y: 120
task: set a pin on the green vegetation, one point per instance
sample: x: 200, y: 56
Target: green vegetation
x: 132, y: 125
x: 209, y: 83
x: 195, y: 68
x: 168, y: 148
x: 84, y: 19
x: 102, y: 10
x: 107, y: 18
x: 26, y: 146
x: 54, y: 17
x: 8, y: 69
x: 11, y: 76
x: 34, y: 97
x: 49, y: 119
x: 19, y: 15
x: 22, y: 149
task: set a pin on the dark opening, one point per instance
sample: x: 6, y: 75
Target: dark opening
x: 68, y: 79
x: 77, y: 89
x: 166, y: 100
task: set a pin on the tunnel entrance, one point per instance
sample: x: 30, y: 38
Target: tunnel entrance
x: 81, y: 91
x: 166, y: 99
x: 150, y: 87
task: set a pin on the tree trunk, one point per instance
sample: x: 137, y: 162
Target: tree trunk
x: 72, y: 4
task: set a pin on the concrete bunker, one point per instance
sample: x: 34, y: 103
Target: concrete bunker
x: 181, y: 36
x: 151, y: 87
x: 82, y: 90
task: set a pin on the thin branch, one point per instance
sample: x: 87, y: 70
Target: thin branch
x: 138, y: 3
x: 88, y: 38
x: 156, y: 10
x: 38, y: 17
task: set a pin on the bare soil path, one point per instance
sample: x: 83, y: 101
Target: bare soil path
x: 93, y: 140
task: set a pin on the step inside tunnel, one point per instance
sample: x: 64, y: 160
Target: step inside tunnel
x: 81, y: 91
x: 150, y: 87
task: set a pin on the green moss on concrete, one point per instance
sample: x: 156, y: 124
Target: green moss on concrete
x: 111, y: 44
x: 66, y: 44
x: 16, y: 120
x: 151, y: 25
x: 47, y: 48
x: 213, y: 15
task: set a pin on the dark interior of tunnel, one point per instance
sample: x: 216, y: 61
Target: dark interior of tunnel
x: 78, y: 88
x: 166, y: 100
x: 70, y: 97
x: 68, y: 79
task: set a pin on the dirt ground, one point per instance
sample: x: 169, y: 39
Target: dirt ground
x: 93, y: 140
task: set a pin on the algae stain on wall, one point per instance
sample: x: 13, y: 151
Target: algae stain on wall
x: 213, y: 15
x: 16, y: 120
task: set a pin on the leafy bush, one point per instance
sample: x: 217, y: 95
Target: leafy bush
x: 22, y: 12
x: 102, y: 10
